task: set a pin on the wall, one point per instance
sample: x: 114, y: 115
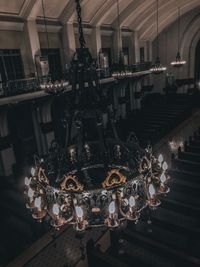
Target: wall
x: 168, y: 49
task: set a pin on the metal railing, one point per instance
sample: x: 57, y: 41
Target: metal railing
x: 28, y: 85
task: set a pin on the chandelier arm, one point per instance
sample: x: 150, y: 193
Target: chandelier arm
x: 80, y: 26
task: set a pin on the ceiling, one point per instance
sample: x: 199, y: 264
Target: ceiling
x: 139, y: 15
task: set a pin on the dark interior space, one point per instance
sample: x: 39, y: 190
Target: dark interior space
x: 99, y: 133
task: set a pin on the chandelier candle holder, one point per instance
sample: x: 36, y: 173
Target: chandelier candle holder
x: 94, y: 179
x: 178, y: 62
x: 157, y: 68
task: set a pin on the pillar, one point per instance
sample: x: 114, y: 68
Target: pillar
x: 43, y: 125
x: 135, y: 55
x: 7, y: 157
x: 117, y: 44
x: 96, y: 41
x: 33, y: 43
x: 69, y: 43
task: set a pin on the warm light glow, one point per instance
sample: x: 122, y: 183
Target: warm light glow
x: 38, y: 202
x: 33, y: 171
x: 160, y: 158
x: 178, y: 63
x: 158, y: 69
x: 131, y: 201
x: 27, y: 181
x: 163, y: 178
x: 79, y: 211
x: 56, y: 209
x: 111, y: 207
x: 165, y: 166
x: 30, y: 193
x: 151, y: 190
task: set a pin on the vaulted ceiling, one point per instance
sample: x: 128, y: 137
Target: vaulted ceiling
x: 139, y: 15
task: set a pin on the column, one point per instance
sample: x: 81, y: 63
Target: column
x: 33, y: 43
x: 43, y: 125
x: 96, y: 41
x: 7, y: 157
x: 69, y: 43
x: 135, y: 55
x: 149, y: 50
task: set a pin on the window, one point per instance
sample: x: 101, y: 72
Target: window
x: 141, y: 54
x: 11, y: 66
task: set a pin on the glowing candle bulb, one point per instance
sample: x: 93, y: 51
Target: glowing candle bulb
x: 111, y: 207
x: 79, y: 211
x: 160, y: 158
x: 33, y: 171
x: 163, y: 178
x: 165, y: 166
x: 38, y: 202
x: 27, y: 181
x: 30, y: 194
x: 131, y: 201
x: 151, y: 190
x: 55, y: 209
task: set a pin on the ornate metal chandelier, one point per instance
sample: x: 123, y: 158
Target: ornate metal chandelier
x: 95, y: 179
x: 178, y: 62
x: 157, y: 68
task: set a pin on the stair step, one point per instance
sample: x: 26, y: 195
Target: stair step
x: 162, y: 249
x: 189, y: 156
x: 187, y: 165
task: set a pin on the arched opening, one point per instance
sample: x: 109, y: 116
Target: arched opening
x: 197, y: 62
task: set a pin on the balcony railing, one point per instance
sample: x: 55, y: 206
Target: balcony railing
x: 23, y: 86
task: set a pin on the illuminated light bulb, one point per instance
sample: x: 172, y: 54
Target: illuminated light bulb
x: 79, y: 211
x: 33, y: 171
x: 163, y: 178
x: 30, y: 193
x: 160, y: 158
x: 27, y: 181
x: 165, y: 166
x: 131, y: 201
x: 55, y: 209
x: 38, y: 202
x: 111, y: 207
x: 152, y: 190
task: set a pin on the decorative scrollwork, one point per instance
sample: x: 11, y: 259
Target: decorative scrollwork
x: 114, y: 177
x: 71, y: 184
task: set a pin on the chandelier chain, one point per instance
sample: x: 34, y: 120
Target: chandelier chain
x: 80, y: 26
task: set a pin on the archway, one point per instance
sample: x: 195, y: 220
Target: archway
x: 197, y: 62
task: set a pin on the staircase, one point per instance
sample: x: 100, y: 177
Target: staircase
x: 171, y: 237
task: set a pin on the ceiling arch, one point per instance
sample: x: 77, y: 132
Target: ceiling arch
x: 136, y: 15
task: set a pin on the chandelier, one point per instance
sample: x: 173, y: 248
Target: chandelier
x: 157, y: 68
x: 178, y: 62
x: 55, y: 88
x: 95, y: 179
x: 48, y: 86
